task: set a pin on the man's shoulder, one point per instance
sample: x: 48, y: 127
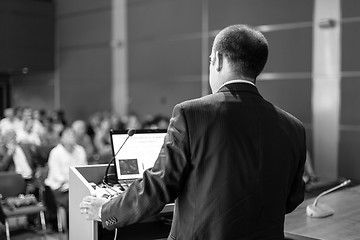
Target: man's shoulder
x: 198, y: 102
x: 289, y: 116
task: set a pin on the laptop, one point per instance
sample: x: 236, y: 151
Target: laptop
x: 138, y: 153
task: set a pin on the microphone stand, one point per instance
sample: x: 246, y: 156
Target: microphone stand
x: 318, y: 210
x: 106, y: 180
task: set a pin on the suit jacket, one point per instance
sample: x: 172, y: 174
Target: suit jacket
x: 232, y: 161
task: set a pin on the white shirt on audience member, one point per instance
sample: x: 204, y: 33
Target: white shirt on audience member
x: 60, y: 161
x: 21, y: 164
x: 7, y: 125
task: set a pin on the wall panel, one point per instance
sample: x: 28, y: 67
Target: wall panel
x: 350, y: 101
x: 168, y: 58
x: 258, y: 12
x: 349, y: 152
x: 76, y: 7
x: 85, y: 65
x: 159, y: 19
x: 35, y: 90
x: 27, y: 35
x: 161, y: 95
x: 350, y: 47
x: 349, y: 164
x: 84, y: 57
x: 91, y: 27
x: 290, y: 50
x: 164, y: 54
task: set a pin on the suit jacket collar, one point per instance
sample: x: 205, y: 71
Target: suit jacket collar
x: 239, y: 87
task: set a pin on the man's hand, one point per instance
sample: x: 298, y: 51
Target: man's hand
x: 91, y: 206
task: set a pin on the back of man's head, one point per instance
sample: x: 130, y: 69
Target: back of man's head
x: 245, y: 47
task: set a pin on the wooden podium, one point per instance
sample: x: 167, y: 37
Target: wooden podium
x: 80, y: 228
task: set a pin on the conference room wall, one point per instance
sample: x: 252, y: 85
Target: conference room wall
x: 84, y: 56
x: 349, y: 151
x: 35, y: 89
x: 27, y: 51
x: 164, y: 57
x: 165, y: 53
x: 165, y: 48
x: 27, y: 38
x: 81, y: 82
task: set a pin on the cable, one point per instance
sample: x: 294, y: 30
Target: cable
x: 115, y: 234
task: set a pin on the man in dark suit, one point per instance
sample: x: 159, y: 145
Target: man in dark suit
x: 231, y: 161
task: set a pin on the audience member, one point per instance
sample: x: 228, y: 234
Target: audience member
x: 83, y: 139
x: 66, y: 154
x: 59, y: 121
x: 13, y: 156
x: 19, y: 112
x: 132, y: 121
x: 160, y: 122
x: 102, y: 140
x: 9, y: 122
x: 50, y: 137
x: 26, y: 134
x: 38, y: 120
x: 19, y: 157
x: 116, y: 122
x: 94, y: 122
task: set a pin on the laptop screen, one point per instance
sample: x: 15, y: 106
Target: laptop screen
x: 138, y: 153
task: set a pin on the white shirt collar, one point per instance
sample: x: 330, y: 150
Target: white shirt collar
x: 237, y: 81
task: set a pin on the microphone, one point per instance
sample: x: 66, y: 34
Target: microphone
x: 318, y: 210
x: 130, y: 133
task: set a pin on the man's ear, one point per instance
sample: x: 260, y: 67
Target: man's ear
x: 220, y: 61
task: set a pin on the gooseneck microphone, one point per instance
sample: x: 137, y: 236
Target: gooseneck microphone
x: 318, y: 210
x: 130, y: 133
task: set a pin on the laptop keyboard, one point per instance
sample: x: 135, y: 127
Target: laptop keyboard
x: 125, y: 183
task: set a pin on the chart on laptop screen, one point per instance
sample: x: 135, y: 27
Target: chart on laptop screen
x: 138, y: 153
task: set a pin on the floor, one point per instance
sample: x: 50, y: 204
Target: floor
x: 19, y: 230
x: 25, y: 234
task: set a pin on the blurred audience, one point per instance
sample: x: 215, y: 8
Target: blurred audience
x: 132, y: 121
x: 156, y: 122
x: 41, y: 145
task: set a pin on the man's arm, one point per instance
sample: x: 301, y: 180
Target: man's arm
x: 159, y: 186
x: 296, y: 195
x: 5, y: 162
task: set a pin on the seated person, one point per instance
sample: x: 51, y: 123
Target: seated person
x: 16, y: 157
x: 66, y: 154
x: 82, y: 138
x: 102, y: 141
x: 9, y: 122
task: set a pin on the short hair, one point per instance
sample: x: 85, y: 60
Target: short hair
x: 245, y: 47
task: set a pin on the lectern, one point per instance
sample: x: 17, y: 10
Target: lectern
x: 156, y: 227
